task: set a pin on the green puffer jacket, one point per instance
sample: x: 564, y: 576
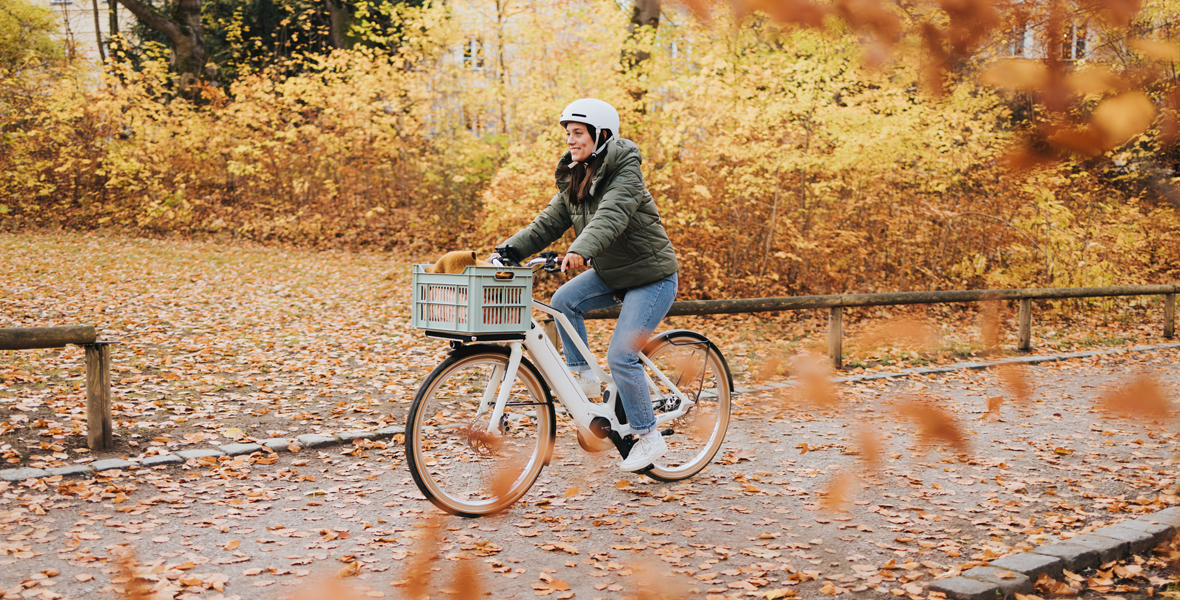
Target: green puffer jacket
x: 617, y: 225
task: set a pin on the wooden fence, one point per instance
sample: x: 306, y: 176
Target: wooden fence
x: 99, y: 435
x: 837, y: 303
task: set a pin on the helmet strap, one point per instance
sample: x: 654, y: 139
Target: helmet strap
x: 598, y: 146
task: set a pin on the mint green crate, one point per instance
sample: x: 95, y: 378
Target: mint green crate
x: 479, y: 300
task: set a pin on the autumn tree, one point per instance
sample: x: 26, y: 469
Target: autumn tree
x: 180, y: 23
x: 26, y: 35
x: 245, y: 38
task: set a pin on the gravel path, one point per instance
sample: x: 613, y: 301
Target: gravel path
x: 799, y: 501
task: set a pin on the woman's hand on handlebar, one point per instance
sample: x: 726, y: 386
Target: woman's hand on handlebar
x: 572, y: 261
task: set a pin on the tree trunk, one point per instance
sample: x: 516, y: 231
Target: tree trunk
x: 644, y: 14
x: 102, y: 55
x: 340, y: 17
x: 113, y: 14
x: 501, y: 67
x: 182, y: 26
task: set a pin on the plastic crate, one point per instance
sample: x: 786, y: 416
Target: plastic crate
x: 479, y: 300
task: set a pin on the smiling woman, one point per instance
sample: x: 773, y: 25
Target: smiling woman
x: 602, y: 197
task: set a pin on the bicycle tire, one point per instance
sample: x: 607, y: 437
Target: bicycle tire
x: 458, y: 466
x: 700, y: 371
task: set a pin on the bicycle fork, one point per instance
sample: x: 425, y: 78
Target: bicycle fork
x: 497, y: 382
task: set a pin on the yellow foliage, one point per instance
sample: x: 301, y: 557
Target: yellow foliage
x: 780, y: 164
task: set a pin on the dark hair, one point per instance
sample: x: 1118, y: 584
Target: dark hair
x: 582, y: 173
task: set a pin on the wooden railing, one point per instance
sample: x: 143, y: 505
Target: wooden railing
x: 99, y: 435
x: 837, y: 303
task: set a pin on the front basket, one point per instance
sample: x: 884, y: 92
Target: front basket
x: 479, y: 300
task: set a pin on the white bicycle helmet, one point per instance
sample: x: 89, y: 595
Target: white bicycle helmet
x: 595, y: 113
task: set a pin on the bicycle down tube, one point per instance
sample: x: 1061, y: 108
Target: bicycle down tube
x: 551, y: 364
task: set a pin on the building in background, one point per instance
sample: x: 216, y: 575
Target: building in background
x: 79, y: 22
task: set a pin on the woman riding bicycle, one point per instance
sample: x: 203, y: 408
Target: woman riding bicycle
x: 601, y: 194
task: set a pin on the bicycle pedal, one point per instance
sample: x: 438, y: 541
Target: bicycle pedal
x: 667, y: 432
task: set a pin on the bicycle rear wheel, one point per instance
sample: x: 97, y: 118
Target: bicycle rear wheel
x: 699, y: 371
x: 455, y: 462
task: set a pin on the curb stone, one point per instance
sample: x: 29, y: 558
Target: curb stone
x: 1076, y: 554
x: 239, y: 449
x: 22, y: 474
x: 310, y: 440
x: 1030, y: 564
x: 1139, y: 541
x: 1167, y: 516
x: 1108, y: 548
x: 1159, y: 531
x: 277, y: 444
x: 112, y: 463
x: 161, y: 459
x: 963, y: 588
x: 72, y: 470
x: 315, y: 440
x: 389, y: 432
x: 1075, y: 557
x: 1009, y: 582
x: 190, y: 454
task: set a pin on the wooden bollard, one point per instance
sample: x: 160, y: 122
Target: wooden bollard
x: 836, y: 336
x: 1025, y: 326
x: 99, y: 435
x: 1170, y: 316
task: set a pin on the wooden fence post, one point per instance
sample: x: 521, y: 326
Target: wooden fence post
x: 1025, y: 330
x: 1170, y: 316
x: 99, y: 435
x: 836, y: 336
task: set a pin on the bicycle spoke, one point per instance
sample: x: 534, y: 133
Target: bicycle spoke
x: 458, y: 464
x: 700, y: 375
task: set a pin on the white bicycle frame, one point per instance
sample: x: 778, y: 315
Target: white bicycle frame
x: 566, y: 390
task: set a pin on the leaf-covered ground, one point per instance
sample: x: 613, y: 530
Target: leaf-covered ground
x: 873, y: 488
x: 223, y: 341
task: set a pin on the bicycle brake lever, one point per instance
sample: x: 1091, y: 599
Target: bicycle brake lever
x: 551, y: 258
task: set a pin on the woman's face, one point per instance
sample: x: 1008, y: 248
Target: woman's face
x: 579, y: 141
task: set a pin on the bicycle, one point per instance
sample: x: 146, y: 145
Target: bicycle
x: 482, y: 424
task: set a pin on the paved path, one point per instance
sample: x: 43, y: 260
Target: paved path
x: 756, y: 521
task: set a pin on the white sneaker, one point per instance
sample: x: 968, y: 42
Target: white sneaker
x: 650, y: 447
x: 589, y: 383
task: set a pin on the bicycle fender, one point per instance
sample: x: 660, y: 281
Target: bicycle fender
x: 659, y: 337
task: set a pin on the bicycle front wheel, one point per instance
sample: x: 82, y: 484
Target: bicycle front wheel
x: 461, y: 467
x: 699, y: 371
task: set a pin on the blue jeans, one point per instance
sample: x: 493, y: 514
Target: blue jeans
x: 643, y: 309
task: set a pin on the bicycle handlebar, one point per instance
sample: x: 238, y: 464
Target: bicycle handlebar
x: 549, y: 260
